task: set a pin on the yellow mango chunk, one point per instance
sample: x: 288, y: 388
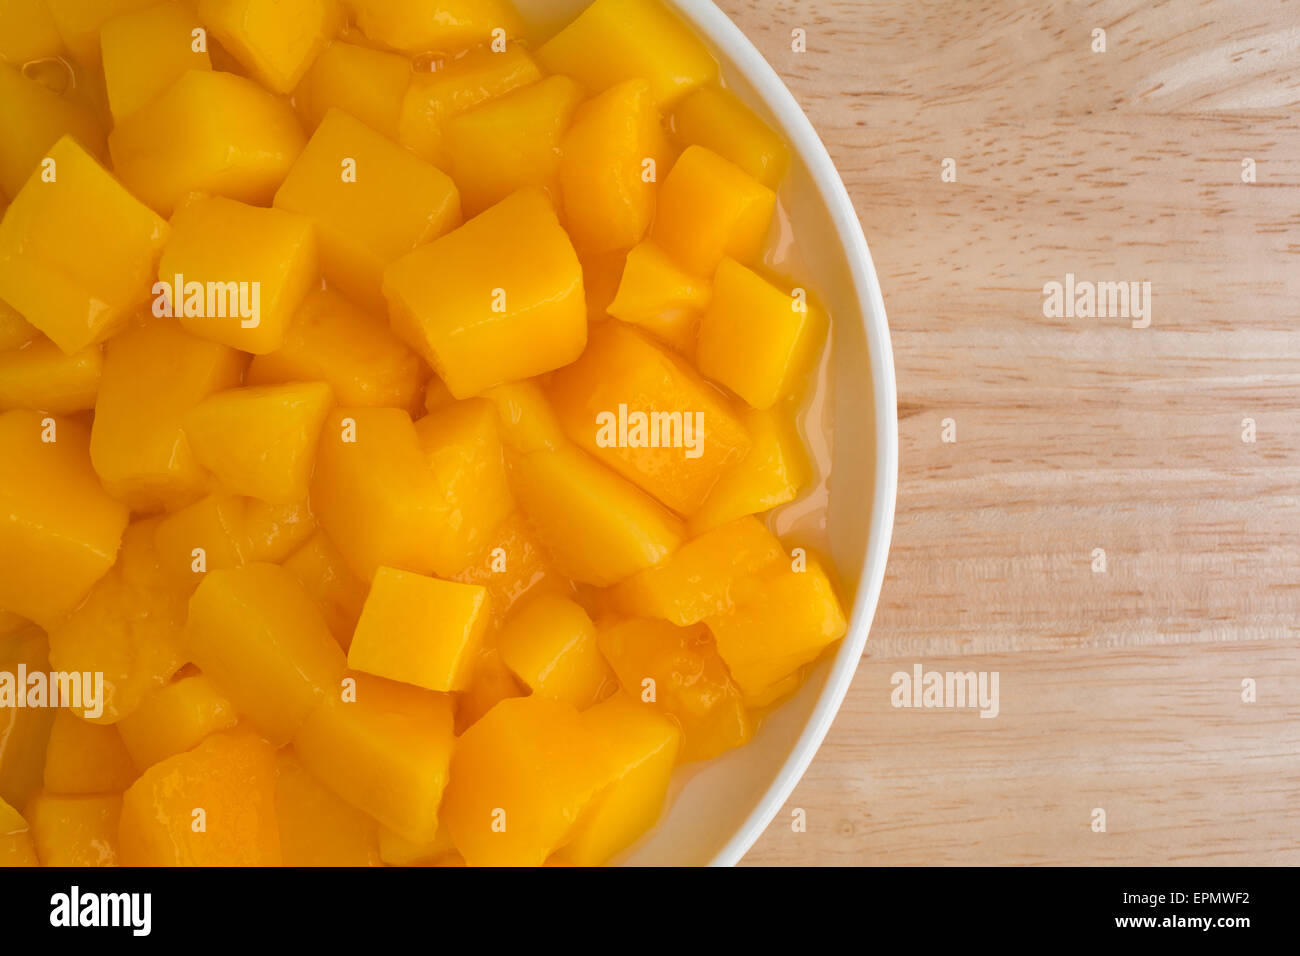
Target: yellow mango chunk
x: 208, y: 535
x: 153, y: 374
x: 646, y: 413
x: 27, y: 32
x: 244, y: 271
x: 331, y: 340
x: 492, y: 683
x: 782, y: 619
x: 324, y: 574
x: 396, y: 851
x: 456, y: 86
x: 145, y: 51
x: 415, y: 26
x: 608, y: 199
x: 716, y: 119
x: 44, y: 377
x: 231, y: 777
x: 710, y: 208
x: 527, y: 421
x: 497, y: 300
x: 174, y: 719
x: 273, y: 532
x: 61, y: 531
x: 316, y: 827
x: 510, y: 141
x: 386, y: 750
x: 128, y: 628
x: 550, y: 643
x: 511, y: 564
x: 16, y: 846
x: 75, y: 831
x: 257, y: 634
x: 698, y: 580
x: 24, y: 731
x: 370, y: 200
x: 616, y: 40
x: 225, y: 136
x: 639, y: 749
x: 660, y: 297
x: 32, y: 119
x: 79, y: 23
x: 261, y: 441
x: 365, y: 83
x: 420, y: 630
x: 520, y: 779
x: 679, y: 671
x: 755, y: 338
x: 774, y: 472
x: 77, y: 255
x: 15, y: 331
x: 276, y: 40
x: 85, y: 758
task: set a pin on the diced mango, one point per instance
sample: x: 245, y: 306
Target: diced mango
x: 396, y: 851
x: 225, y: 136
x: 370, y: 200
x: 679, y: 671
x: 75, y: 830
x: 368, y: 84
x: 61, y: 532
x: 456, y: 86
x: 415, y: 26
x: 386, y: 750
x: 273, y: 532
x: 27, y: 32
x: 527, y: 421
x: 85, y: 758
x: 497, y: 300
x: 24, y: 731
x: 174, y: 719
x: 210, y: 806
x: 604, y: 175
x: 710, y: 208
x: 42, y: 376
x: 420, y: 630
x: 33, y: 119
x: 550, y: 644
x: 15, y: 331
x: 510, y: 565
x: 716, y: 119
x: 659, y: 296
x: 276, y: 40
x: 782, y: 619
x: 598, y: 527
x: 510, y: 142
x: 755, y: 338
x: 646, y: 413
x: 78, y: 253
x: 316, y: 827
x: 145, y: 51
x: 245, y: 271
x: 324, y: 574
x: 492, y: 683
x: 153, y: 374
x: 16, y: 846
x: 774, y: 472
x: 615, y: 40
x: 206, y: 536
x: 520, y: 779
x: 261, y: 441
x: 257, y: 634
x: 79, y: 23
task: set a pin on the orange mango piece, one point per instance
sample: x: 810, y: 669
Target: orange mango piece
x: 15, y: 331
x: 145, y: 51
x: 550, y: 644
x: 316, y: 827
x: 415, y: 26
x: 324, y: 574
x: 368, y: 84
x: 34, y: 118
x: 75, y: 831
x: 16, y: 846
x: 24, y: 731
x: 661, y: 297
x: 774, y: 472
x: 85, y: 758
x: 42, y: 376
x: 174, y: 719
x: 79, y: 23
x: 273, y: 532
x: 275, y: 40
x: 526, y: 420
x: 511, y: 564
x: 205, y: 536
x: 716, y: 119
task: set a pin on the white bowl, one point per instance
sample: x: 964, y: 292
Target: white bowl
x: 718, y: 809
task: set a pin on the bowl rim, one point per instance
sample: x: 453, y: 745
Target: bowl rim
x: 803, y: 139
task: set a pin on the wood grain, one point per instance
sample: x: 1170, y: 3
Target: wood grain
x: 1119, y: 690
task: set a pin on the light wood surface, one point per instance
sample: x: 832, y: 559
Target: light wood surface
x: 1119, y: 690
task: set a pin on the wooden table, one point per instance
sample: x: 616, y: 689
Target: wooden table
x: 1121, y: 689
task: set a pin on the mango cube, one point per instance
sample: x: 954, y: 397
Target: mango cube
x: 510, y: 565
x: 716, y: 119
x: 238, y: 273
x: 208, y: 535
x: 75, y: 830
x: 659, y: 296
x: 34, y: 118
x: 616, y: 40
x: 210, y: 806
x: 497, y: 300
x: 16, y: 846
x: 15, y: 331
x: 61, y: 532
x: 420, y: 630
x: 226, y: 136
x: 525, y: 417
x: 550, y: 643
x: 259, y: 637
x: 145, y: 51
x: 710, y: 208
x: 774, y: 472
x: 24, y: 731
x: 44, y: 377
x: 79, y: 23
x: 261, y: 441
x: 368, y: 84
x: 153, y: 374
x: 77, y: 254
x: 273, y: 532
x: 520, y: 779
x: 85, y: 758
x: 324, y: 574
x: 646, y: 413
x: 174, y: 719
x: 276, y: 40
x: 510, y: 141
x: 316, y: 827
x: 415, y: 26
x: 755, y: 338
x: 386, y: 750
